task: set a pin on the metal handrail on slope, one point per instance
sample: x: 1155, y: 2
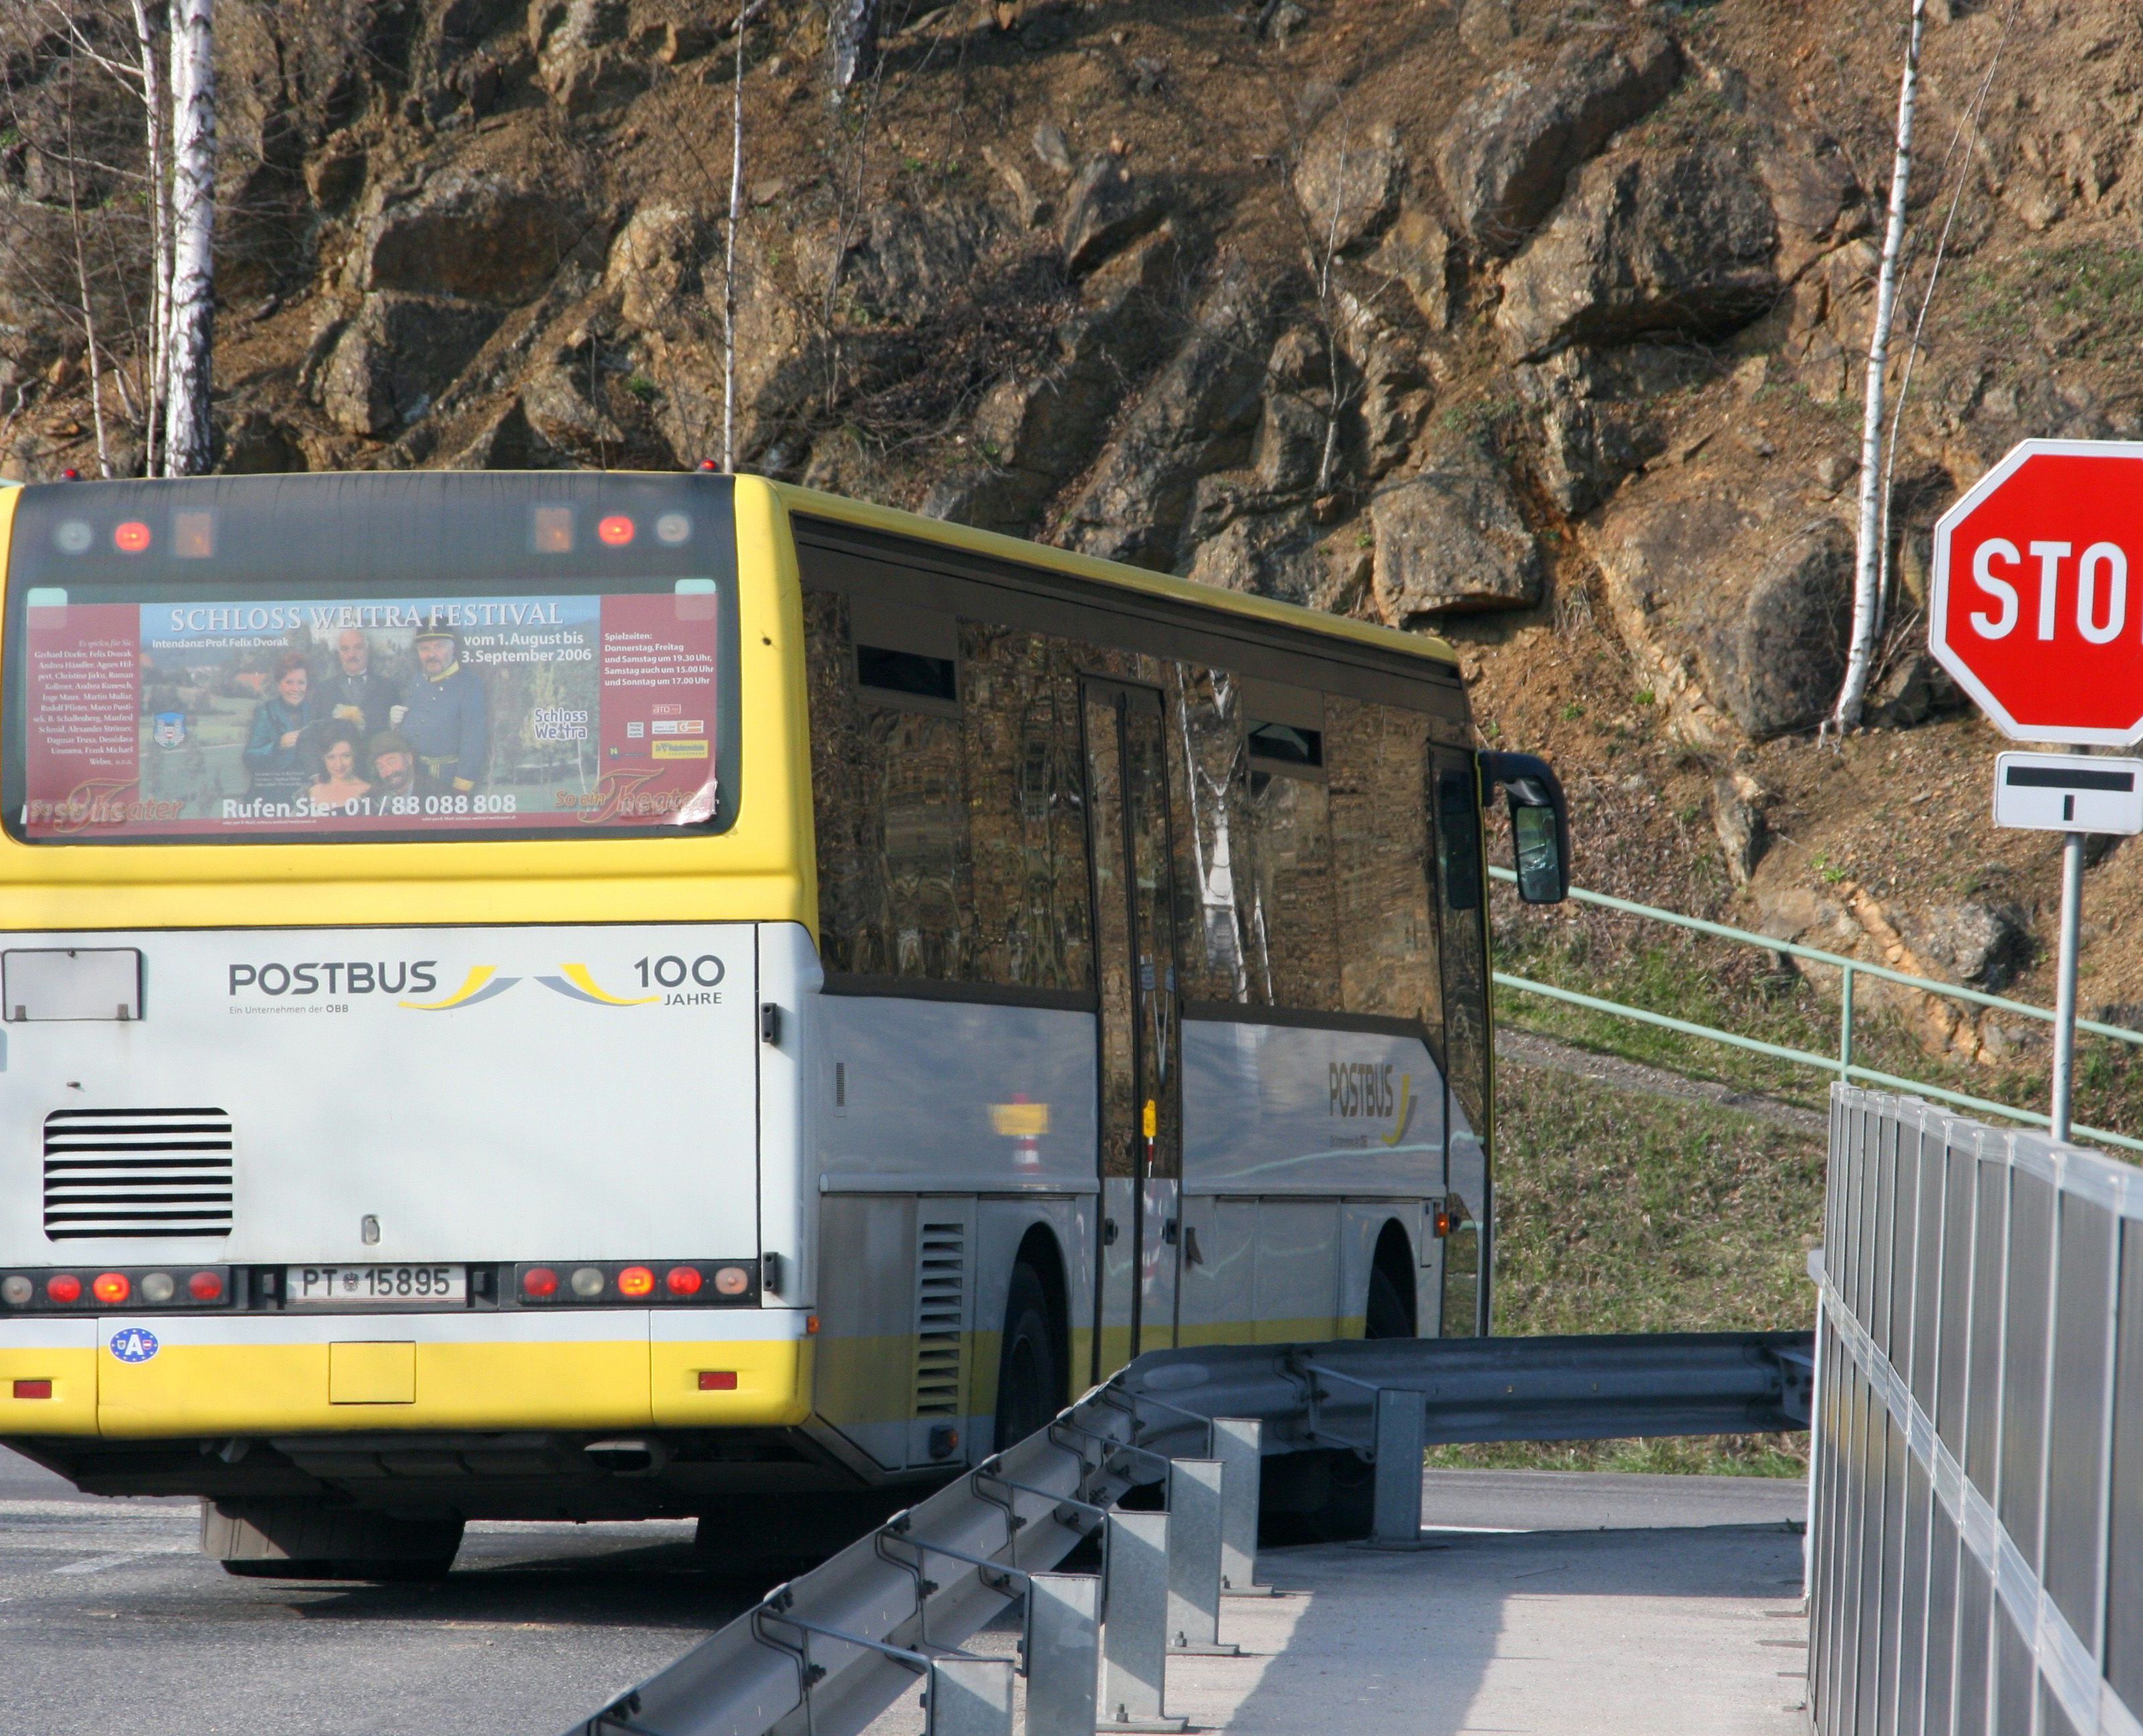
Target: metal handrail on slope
x: 1842, y: 1066
x: 1020, y: 1513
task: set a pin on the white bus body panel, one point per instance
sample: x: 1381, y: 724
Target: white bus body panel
x: 1279, y: 1108
x: 937, y: 1096
x: 535, y: 1102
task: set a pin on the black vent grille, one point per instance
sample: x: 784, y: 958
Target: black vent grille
x: 137, y: 1172
x: 941, y: 1295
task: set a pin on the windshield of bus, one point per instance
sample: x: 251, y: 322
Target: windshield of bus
x: 203, y: 663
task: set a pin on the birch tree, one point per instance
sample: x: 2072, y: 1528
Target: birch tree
x: 187, y: 438
x: 1868, y: 564
x: 155, y: 128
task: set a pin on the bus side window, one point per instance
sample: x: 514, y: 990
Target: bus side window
x: 888, y: 792
x: 1373, y: 755
x: 1027, y: 822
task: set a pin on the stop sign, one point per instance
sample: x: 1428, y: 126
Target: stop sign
x: 2035, y: 609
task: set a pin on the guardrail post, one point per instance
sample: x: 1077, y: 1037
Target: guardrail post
x: 1196, y: 1494
x: 1402, y: 1423
x: 970, y: 1697
x: 1063, y: 1653
x: 1239, y: 1444
x: 1134, y: 1625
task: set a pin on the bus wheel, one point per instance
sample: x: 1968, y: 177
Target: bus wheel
x: 1031, y: 1367
x: 293, y: 1541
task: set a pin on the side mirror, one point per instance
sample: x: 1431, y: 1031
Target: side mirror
x: 1540, y: 822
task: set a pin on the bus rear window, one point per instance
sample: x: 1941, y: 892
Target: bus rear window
x: 166, y: 700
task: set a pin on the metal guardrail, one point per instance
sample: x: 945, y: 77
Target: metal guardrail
x: 825, y: 1654
x: 1842, y: 1065
x: 1975, y: 1548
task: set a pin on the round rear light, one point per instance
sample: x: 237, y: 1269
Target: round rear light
x: 636, y: 1281
x: 205, y: 1287
x: 63, y: 1287
x: 732, y: 1280
x: 588, y: 1281
x: 130, y: 538
x: 111, y: 1287
x: 158, y: 1286
x: 15, y: 1290
x: 615, y: 531
x: 539, y: 1281
x: 684, y: 1280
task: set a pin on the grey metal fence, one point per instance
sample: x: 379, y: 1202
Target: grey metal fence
x: 1975, y: 1548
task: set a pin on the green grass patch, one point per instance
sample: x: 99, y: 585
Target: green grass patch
x: 1704, y: 980
x: 1619, y: 1211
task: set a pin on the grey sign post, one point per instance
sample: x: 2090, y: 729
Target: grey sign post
x: 2074, y: 796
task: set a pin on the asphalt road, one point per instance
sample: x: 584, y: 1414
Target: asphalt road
x: 112, y: 1623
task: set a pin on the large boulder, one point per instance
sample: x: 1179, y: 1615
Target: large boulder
x: 1449, y: 539
x: 1036, y: 428
x: 1198, y: 416
x: 1347, y: 181
x: 910, y: 261
x: 1417, y: 252
x: 1509, y: 148
x: 1596, y: 413
x: 1107, y: 207
x: 1737, y: 586
x: 394, y: 358
x: 1264, y: 554
x: 1645, y: 242
x: 1979, y: 944
x: 654, y: 263
x: 470, y: 233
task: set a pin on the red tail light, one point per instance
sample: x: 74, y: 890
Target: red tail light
x: 205, y: 1286
x: 130, y: 538
x: 684, y: 1280
x: 616, y: 531
x: 63, y: 1287
x: 539, y: 1281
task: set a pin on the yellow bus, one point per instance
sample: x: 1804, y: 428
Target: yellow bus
x: 583, y: 996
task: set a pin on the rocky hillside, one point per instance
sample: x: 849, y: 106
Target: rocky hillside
x: 1531, y: 322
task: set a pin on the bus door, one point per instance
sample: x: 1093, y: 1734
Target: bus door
x: 1141, y: 1148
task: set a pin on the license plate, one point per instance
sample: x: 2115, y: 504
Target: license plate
x: 374, y: 1286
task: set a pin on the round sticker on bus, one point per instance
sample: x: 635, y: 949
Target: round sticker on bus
x: 134, y: 1345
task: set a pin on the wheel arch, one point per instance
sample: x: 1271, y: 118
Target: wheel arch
x: 1395, y: 1258
x: 1040, y: 1253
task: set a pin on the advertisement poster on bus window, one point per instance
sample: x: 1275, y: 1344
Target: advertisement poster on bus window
x: 356, y: 719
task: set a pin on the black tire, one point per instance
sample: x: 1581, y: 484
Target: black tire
x: 1031, y: 1365
x: 1389, y: 1314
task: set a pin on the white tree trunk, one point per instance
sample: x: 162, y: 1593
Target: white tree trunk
x: 1867, y: 576
x: 159, y: 243
x: 187, y: 438
x: 729, y: 253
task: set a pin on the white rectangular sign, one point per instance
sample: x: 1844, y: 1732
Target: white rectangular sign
x: 2068, y: 793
